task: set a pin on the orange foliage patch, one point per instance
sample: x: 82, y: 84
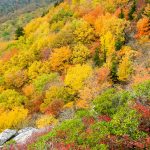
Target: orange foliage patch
x: 143, y: 27
x: 93, y: 15
x: 28, y: 90
x: 117, y: 12
x: 103, y: 74
x: 94, y: 46
x: 82, y: 104
x: 7, y: 55
x: 141, y: 75
x: 55, y: 107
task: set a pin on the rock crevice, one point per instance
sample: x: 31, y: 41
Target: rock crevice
x: 20, y: 136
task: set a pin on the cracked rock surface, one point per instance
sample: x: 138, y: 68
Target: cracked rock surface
x: 24, y: 134
x: 7, y: 135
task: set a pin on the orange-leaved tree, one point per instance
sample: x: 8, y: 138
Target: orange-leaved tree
x: 59, y: 59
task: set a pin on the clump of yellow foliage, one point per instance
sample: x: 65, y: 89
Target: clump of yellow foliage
x: 13, y: 118
x: 46, y: 120
x: 77, y: 75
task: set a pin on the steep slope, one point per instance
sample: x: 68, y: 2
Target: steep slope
x: 15, y: 14
x: 11, y: 8
x: 80, y: 69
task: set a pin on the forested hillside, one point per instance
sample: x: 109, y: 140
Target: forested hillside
x: 9, y: 28
x: 16, y: 14
x: 11, y: 8
x: 83, y: 67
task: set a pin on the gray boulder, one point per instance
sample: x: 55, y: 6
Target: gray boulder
x: 24, y: 134
x: 6, y: 135
x: 26, y: 130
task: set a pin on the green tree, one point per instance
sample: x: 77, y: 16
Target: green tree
x: 41, y: 81
x: 113, y: 70
x: 19, y: 32
x: 132, y: 10
x: 121, y: 15
x: 96, y: 58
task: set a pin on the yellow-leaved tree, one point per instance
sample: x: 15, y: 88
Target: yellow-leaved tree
x: 15, y: 77
x: 107, y: 47
x: 11, y: 98
x: 124, y: 69
x: 83, y: 32
x: 38, y: 68
x: 80, y: 54
x: 77, y: 75
x: 108, y: 23
x: 45, y: 121
x: 12, y: 118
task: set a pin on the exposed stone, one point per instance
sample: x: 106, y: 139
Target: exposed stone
x: 6, y: 135
x: 24, y: 134
x: 26, y: 129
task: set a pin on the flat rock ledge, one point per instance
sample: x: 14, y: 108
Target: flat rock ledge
x: 24, y: 134
x: 7, y: 135
x: 20, y: 136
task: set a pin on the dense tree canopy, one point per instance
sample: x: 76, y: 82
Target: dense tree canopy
x: 83, y: 68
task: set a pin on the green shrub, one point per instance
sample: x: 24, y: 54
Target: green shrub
x: 142, y: 90
x: 126, y: 122
x: 110, y: 101
x: 41, y: 81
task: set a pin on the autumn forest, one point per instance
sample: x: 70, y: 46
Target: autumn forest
x: 81, y: 67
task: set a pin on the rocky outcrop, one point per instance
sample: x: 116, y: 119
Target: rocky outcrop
x: 7, y: 135
x: 19, y: 137
x: 24, y: 134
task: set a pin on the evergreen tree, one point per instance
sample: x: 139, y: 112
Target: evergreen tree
x: 132, y: 10
x: 96, y: 58
x: 19, y: 32
x: 121, y: 15
x: 118, y: 45
x: 114, y: 76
